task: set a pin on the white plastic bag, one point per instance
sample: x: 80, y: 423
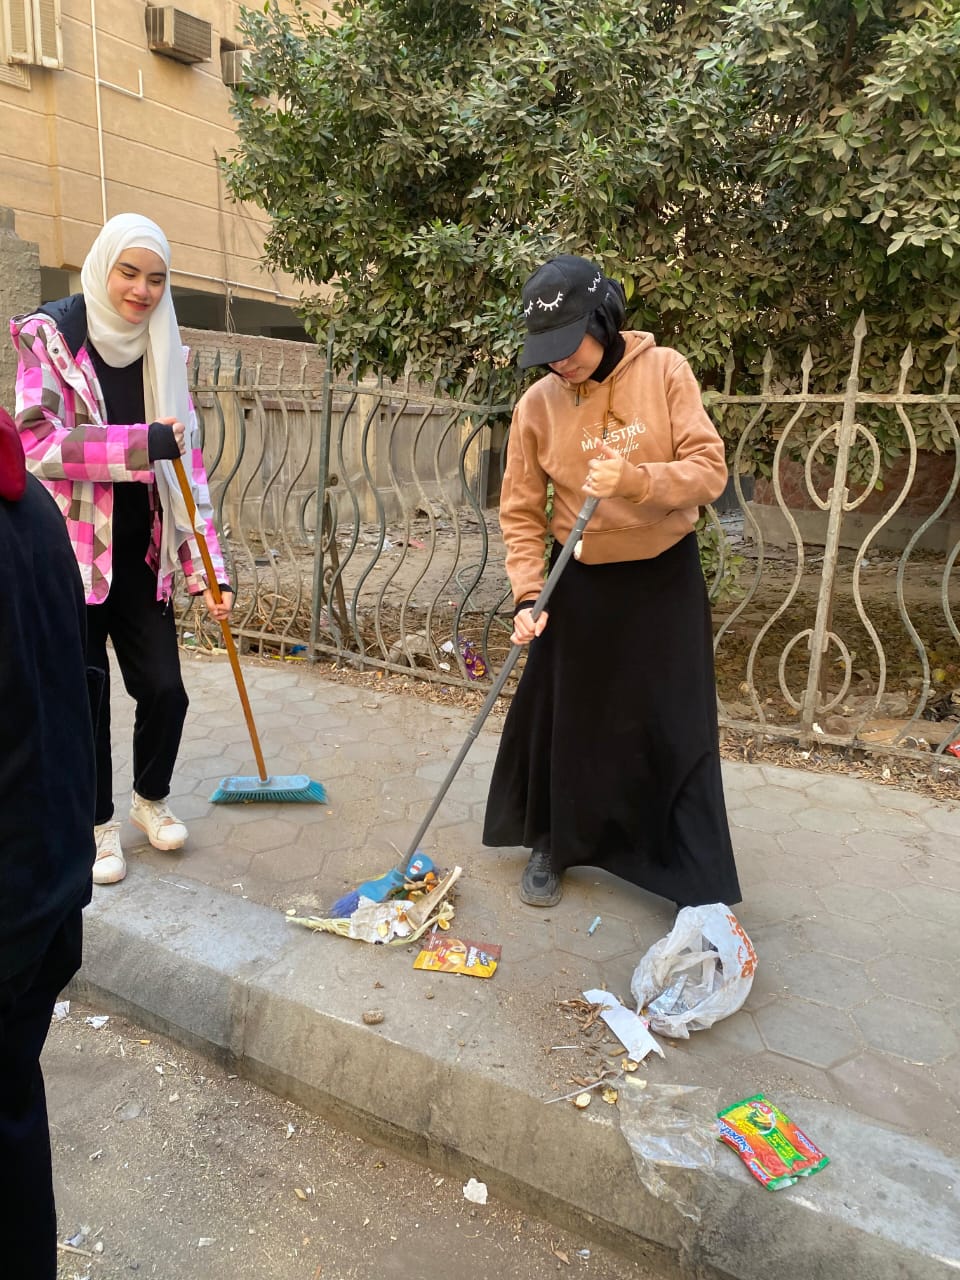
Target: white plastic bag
x: 700, y: 972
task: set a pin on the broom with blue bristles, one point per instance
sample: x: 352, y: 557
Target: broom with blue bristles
x: 291, y: 788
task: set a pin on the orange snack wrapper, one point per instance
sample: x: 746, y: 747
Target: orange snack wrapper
x: 443, y: 954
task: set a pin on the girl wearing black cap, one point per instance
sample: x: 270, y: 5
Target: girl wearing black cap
x: 609, y: 756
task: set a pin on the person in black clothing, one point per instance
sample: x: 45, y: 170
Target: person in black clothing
x: 46, y: 836
x: 103, y: 409
x: 609, y: 755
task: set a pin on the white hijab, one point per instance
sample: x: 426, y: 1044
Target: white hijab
x: 120, y: 343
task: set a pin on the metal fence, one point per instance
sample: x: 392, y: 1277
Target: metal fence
x: 360, y: 519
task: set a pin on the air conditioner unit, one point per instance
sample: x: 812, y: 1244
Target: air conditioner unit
x: 179, y: 35
x: 235, y: 66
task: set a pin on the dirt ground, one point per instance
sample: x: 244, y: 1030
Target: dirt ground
x: 166, y: 1166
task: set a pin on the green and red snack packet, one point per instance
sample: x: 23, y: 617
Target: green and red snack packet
x: 772, y: 1147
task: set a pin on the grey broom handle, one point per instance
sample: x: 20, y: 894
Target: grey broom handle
x: 566, y: 551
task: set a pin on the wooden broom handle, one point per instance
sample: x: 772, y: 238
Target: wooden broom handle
x: 224, y: 625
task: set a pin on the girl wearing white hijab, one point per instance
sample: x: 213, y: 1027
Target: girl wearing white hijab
x: 102, y: 408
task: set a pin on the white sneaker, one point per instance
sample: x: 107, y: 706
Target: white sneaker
x: 164, y: 829
x: 110, y: 865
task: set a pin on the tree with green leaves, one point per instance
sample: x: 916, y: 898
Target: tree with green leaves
x: 756, y: 172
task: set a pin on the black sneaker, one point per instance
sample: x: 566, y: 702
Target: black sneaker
x: 540, y: 884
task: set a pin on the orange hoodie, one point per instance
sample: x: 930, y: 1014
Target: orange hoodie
x: 650, y: 411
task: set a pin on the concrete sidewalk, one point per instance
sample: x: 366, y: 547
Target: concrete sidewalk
x: 851, y: 897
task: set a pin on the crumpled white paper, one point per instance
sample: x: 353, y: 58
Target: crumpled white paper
x: 629, y: 1028
x: 475, y: 1191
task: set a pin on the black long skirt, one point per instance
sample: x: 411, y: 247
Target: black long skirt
x: 609, y: 756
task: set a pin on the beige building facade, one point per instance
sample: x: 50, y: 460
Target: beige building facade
x: 111, y: 106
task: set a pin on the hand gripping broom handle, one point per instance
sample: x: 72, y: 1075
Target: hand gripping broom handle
x: 224, y: 625
x: 566, y: 551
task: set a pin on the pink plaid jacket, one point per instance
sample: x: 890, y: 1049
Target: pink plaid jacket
x: 78, y: 456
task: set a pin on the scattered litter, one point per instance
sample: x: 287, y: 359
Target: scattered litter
x: 475, y: 1192
x: 206, y: 1240
x: 372, y: 1017
x: 583, y: 1087
x: 670, y: 1127
x: 442, y: 954
x: 700, y: 972
x: 773, y: 1148
x: 594, y: 926
x: 98, y: 1020
x: 472, y: 660
x: 61, y: 1010
x: 396, y: 921
x: 953, y: 749
x: 388, y: 885
x: 630, y: 1029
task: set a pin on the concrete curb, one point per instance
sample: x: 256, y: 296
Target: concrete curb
x: 234, y: 980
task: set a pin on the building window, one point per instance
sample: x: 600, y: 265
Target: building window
x: 32, y: 32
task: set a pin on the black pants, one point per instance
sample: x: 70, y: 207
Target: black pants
x: 28, y: 1220
x: 144, y: 636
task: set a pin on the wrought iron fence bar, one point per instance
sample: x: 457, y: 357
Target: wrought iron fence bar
x: 311, y: 476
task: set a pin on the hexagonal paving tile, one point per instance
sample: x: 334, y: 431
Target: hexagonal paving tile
x: 451, y: 813
x: 405, y: 788
x: 795, y: 779
x: 778, y: 799
x: 909, y: 1030
x: 776, y: 1076
x: 812, y: 1033
x: 931, y: 902
x: 767, y: 904
x: 829, y: 822
x: 920, y: 936
x: 554, y: 978
x: 779, y: 868
x: 860, y: 902
x: 891, y: 798
x: 943, y: 847
x: 614, y: 936
x: 756, y: 819
x: 857, y: 940
x: 292, y: 862
x: 891, y: 821
x: 881, y: 875
x: 928, y: 868
x: 876, y: 845
x: 898, y: 1093
x: 917, y: 979
x: 267, y: 833
x: 943, y: 818
x: 812, y: 860
x: 843, y: 793
x: 826, y: 979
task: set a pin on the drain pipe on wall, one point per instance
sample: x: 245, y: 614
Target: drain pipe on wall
x: 97, y: 85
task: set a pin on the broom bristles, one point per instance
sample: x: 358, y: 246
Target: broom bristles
x: 295, y: 788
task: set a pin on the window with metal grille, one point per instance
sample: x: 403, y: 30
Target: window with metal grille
x: 32, y: 32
